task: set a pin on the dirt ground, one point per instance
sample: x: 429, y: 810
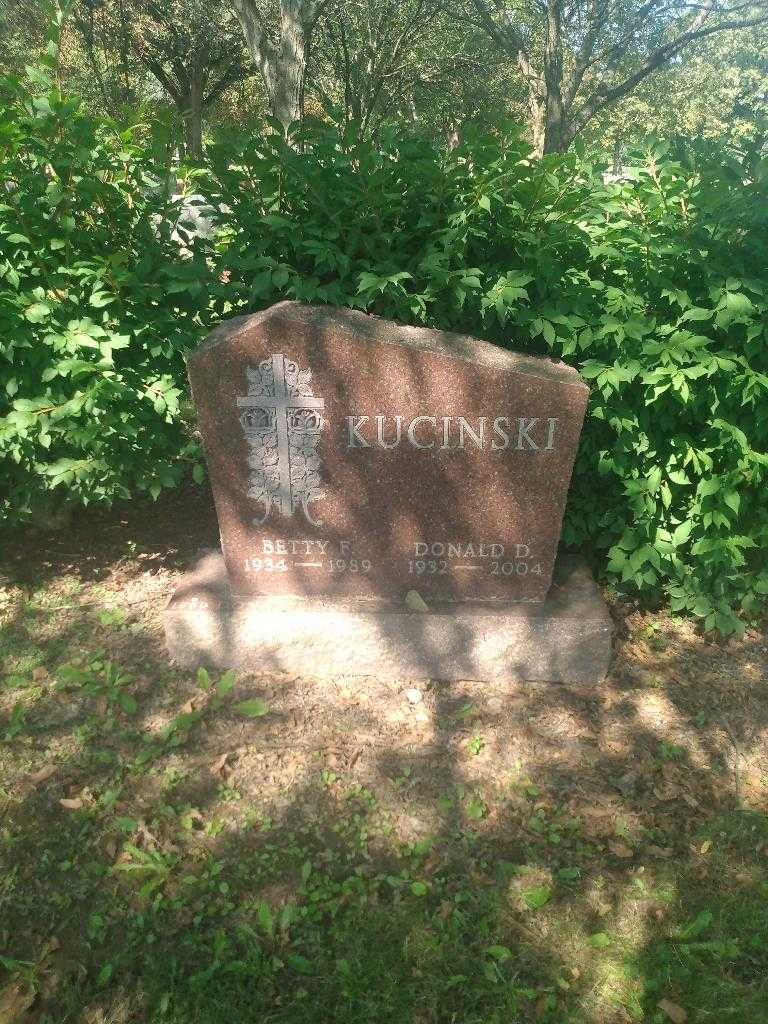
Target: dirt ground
x: 623, y: 777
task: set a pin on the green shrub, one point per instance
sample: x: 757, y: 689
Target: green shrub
x: 653, y: 286
x: 96, y: 306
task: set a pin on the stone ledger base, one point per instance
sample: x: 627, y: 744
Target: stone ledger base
x: 567, y: 638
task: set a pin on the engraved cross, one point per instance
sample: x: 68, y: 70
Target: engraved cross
x: 282, y: 403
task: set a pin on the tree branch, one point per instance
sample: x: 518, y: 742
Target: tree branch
x: 657, y: 58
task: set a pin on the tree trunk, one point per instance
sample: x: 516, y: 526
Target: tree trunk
x: 287, y: 93
x: 617, y: 168
x: 192, y: 115
x: 551, y: 127
x: 556, y: 134
x: 283, y: 63
x: 538, y: 114
x: 193, y: 133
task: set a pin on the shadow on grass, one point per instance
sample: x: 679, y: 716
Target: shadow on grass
x: 552, y: 854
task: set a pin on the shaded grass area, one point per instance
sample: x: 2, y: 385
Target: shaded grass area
x: 181, y: 849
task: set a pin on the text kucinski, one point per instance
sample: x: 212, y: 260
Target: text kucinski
x: 453, y: 433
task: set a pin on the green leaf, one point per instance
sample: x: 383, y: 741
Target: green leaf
x: 701, y: 922
x: 678, y: 477
x: 697, y: 313
x: 733, y: 500
x: 127, y: 703
x: 485, y: 203
x: 104, y: 975
x: 126, y: 824
x: 298, y: 963
x: 569, y: 874
x: 499, y: 953
x: 203, y: 678
x: 226, y: 683
x: 709, y: 487
x: 266, y: 920
x: 37, y: 312
x: 538, y: 897
x: 682, y: 532
x: 252, y: 708
x: 476, y: 809
x: 419, y: 888
x: 599, y: 940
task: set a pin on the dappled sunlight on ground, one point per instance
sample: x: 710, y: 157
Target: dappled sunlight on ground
x: 175, y: 848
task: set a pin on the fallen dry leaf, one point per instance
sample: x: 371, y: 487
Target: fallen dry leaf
x: 43, y: 773
x: 15, y: 1000
x: 72, y: 805
x: 542, y: 1006
x: 219, y: 766
x: 669, y: 791
x: 50, y: 946
x: 40, y: 674
x: 705, y: 847
x: 432, y: 863
x: 673, y: 1011
x: 621, y: 850
x: 355, y: 757
x: 414, y: 602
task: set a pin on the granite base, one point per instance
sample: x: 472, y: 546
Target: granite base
x: 567, y: 638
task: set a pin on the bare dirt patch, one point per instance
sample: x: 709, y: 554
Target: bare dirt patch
x: 605, y: 811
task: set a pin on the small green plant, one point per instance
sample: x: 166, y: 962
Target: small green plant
x: 477, y: 809
x: 16, y: 722
x: 99, y: 678
x: 112, y: 617
x: 670, y: 751
x: 152, y: 866
x: 475, y: 746
x: 654, y: 636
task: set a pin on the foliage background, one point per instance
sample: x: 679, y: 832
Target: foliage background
x: 653, y: 285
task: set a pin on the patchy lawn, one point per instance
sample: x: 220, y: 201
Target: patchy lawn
x: 270, y: 849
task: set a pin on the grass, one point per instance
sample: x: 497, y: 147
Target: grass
x: 149, y: 873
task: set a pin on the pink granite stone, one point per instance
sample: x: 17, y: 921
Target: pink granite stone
x: 357, y: 458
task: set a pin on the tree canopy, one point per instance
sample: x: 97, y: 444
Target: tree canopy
x: 610, y: 71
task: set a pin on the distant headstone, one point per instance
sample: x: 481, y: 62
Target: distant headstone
x: 390, y: 500
x: 351, y: 456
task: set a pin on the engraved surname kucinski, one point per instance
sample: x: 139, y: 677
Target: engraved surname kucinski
x: 453, y: 433
x: 282, y: 423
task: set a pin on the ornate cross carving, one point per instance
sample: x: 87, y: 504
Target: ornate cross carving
x: 282, y: 423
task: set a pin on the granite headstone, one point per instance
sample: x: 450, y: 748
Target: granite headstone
x: 352, y: 456
x: 390, y: 501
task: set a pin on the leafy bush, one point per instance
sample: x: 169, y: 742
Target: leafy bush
x: 96, y: 306
x: 653, y: 286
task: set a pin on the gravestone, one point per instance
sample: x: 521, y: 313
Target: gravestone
x: 385, y: 484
